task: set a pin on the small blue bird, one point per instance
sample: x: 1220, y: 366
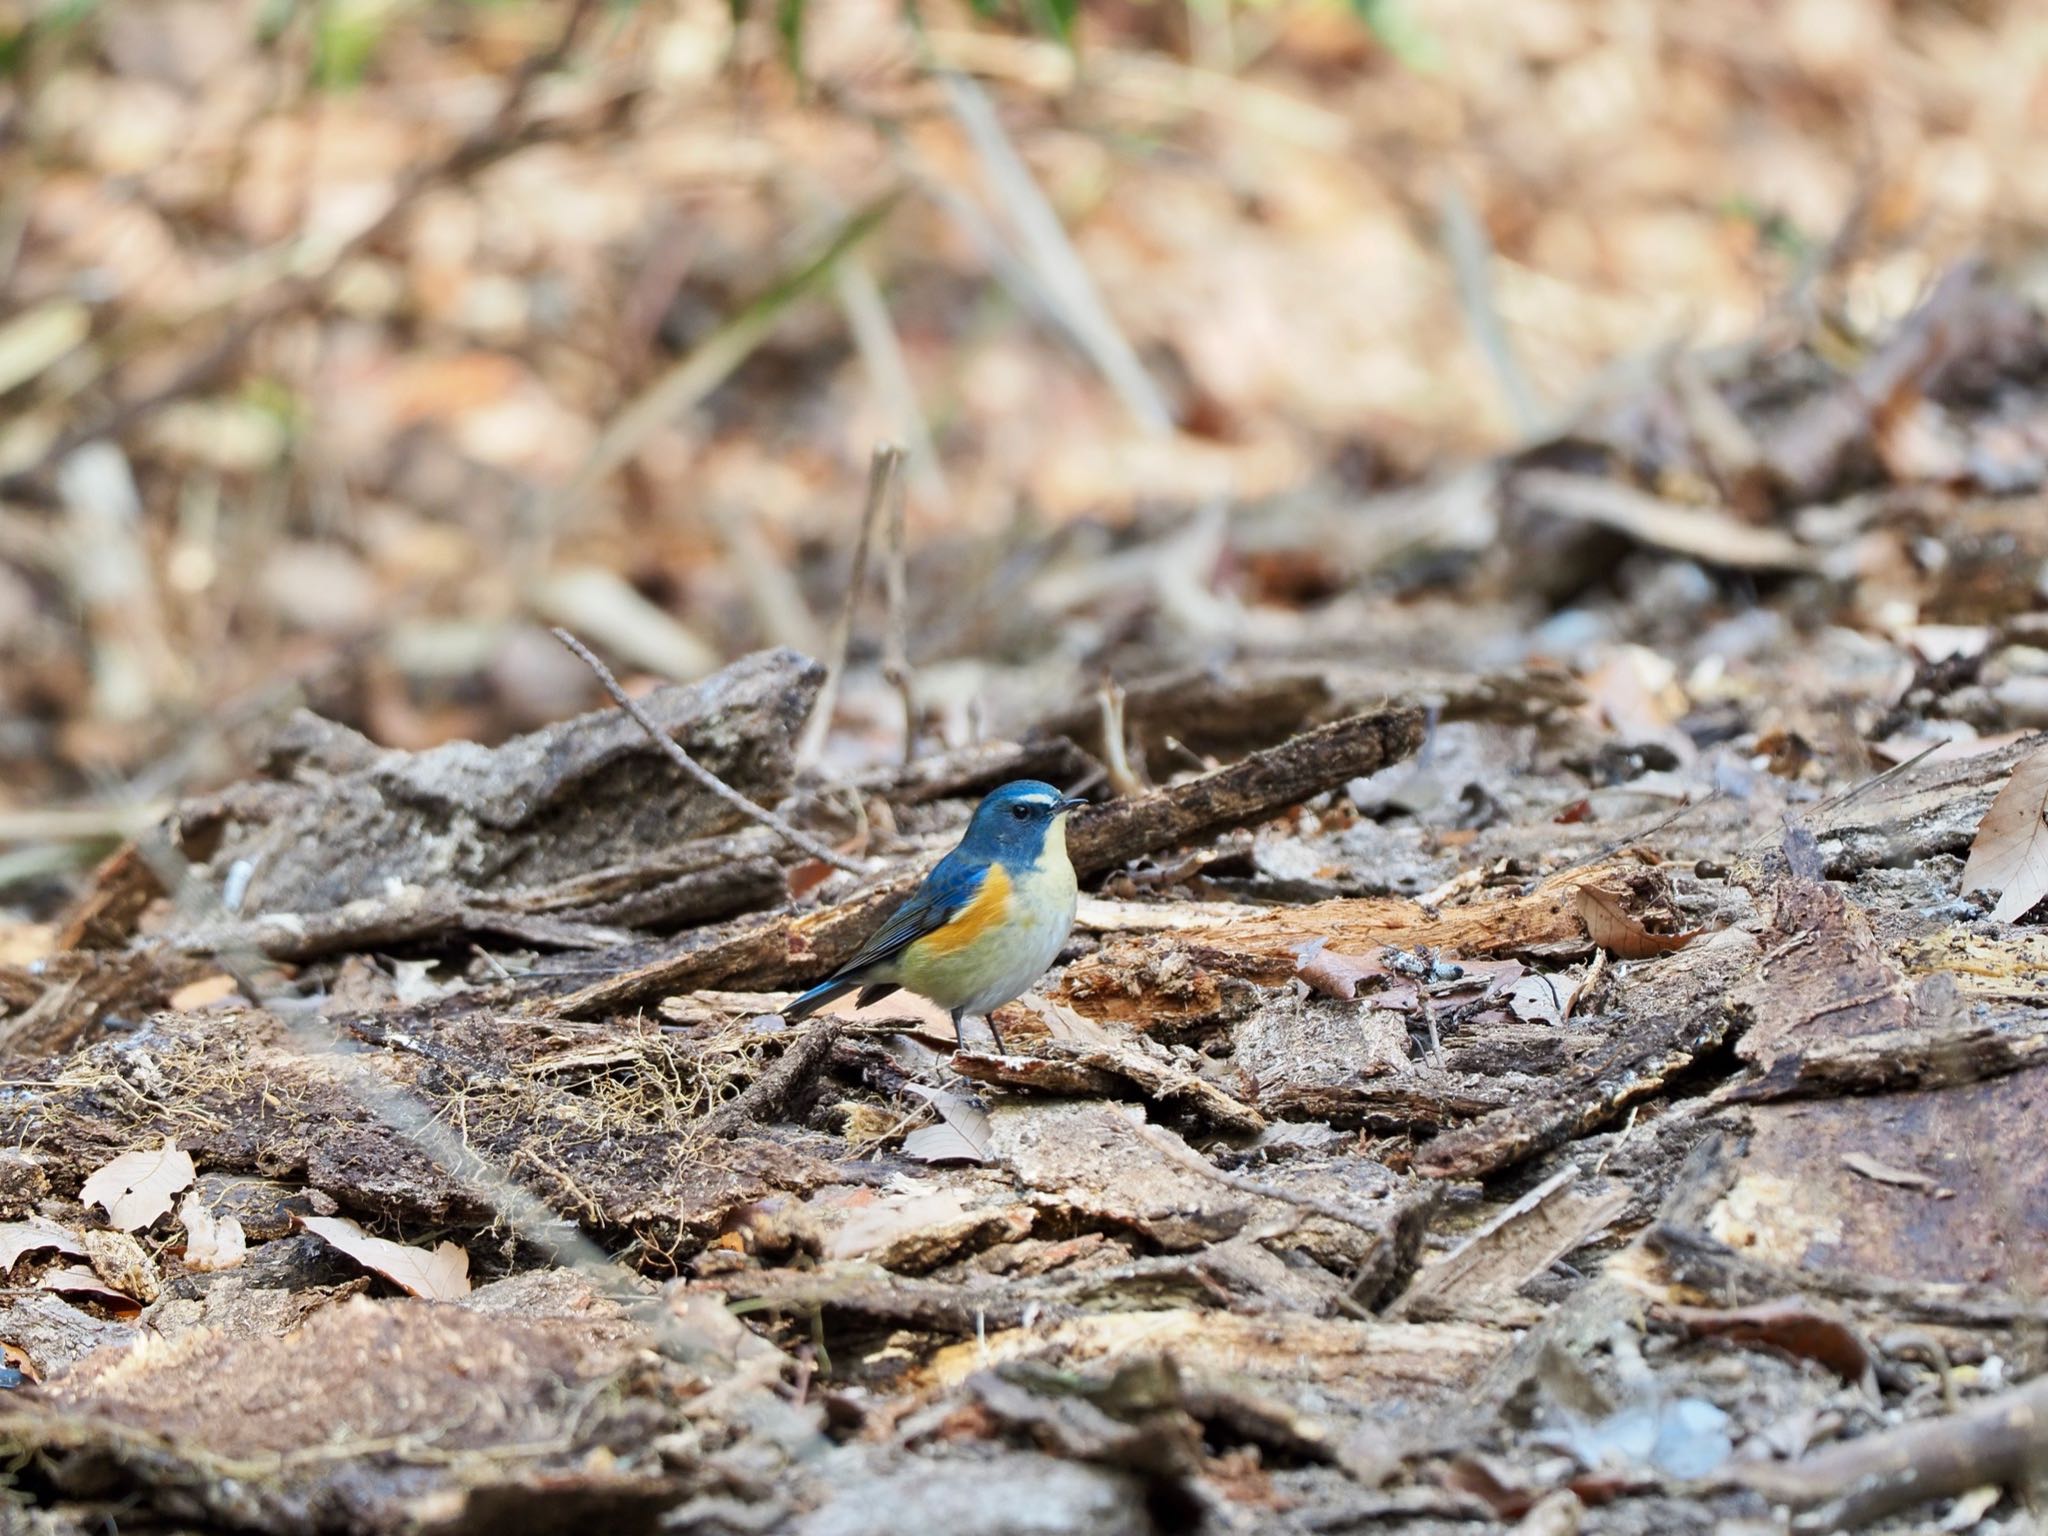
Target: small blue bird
x: 987, y: 922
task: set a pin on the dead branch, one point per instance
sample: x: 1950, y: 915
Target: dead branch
x: 771, y: 1093
x: 696, y: 771
x: 2000, y: 1441
x: 1245, y: 792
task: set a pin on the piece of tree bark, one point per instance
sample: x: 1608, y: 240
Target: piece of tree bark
x: 1675, y: 1019
x: 341, y: 820
x: 1939, y: 1055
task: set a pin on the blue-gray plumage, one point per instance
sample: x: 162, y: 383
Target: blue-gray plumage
x: 987, y: 921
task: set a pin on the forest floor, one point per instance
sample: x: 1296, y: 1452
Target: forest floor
x: 1523, y: 1093
x: 1544, y: 580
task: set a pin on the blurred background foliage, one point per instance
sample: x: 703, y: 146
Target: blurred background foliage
x: 345, y: 345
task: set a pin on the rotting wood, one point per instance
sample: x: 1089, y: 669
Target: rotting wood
x: 1939, y: 1055
x: 1519, y: 1242
x: 618, y: 1144
x: 1822, y: 978
x: 1264, y: 945
x: 1976, y: 1216
x: 415, y: 915
x: 875, y: 1295
x: 1244, y: 792
x: 2011, y: 966
x: 696, y: 772
x: 57, y: 1003
x: 1692, y: 1262
x: 1102, y: 1069
x: 1676, y: 1019
x: 1929, y: 810
x: 788, y: 948
x: 577, y: 914
x: 1204, y: 711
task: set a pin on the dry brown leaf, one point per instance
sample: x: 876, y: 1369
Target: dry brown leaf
x: 1609, y: 925
x: 77, y: 1280
x: 1795, y: 1327
x: 19, y: 1237
x: 441, y: 1275
x: 1537, y: 998
x: 2010, y: 852
x: 137, y: 1187
x: 211, y: 1244
x: 962, y: 1138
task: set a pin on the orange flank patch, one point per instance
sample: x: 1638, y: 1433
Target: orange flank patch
x: 989, y: 908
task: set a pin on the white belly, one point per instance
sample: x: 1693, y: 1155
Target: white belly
x: 1044, y: 917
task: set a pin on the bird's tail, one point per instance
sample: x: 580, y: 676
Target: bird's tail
x: 811, y: 1001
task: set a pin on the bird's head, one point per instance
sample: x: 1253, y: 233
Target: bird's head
x: 1013, y: 823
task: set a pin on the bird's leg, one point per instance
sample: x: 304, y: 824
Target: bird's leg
x: 959, y: 1035
x: 990, y: 1020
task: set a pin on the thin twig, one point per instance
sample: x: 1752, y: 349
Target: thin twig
x: 1609, y: 849
x: 882, y: 469
x: 696, y: 771
x: 1836, y: 801
x: 1124, y: 777
x: 1472, y: 263
x: 895, y: 649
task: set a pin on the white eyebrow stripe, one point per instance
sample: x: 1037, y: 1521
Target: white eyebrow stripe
x: 1035, y: 799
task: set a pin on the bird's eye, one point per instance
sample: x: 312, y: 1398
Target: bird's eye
x: 1021, y: 812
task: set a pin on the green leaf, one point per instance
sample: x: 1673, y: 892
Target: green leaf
x: 345, y: 37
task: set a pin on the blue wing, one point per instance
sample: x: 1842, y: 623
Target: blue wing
x: 946, y: 890
x: 949, y: 887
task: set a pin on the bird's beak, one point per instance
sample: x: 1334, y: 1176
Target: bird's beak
x: 1071, y: 803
